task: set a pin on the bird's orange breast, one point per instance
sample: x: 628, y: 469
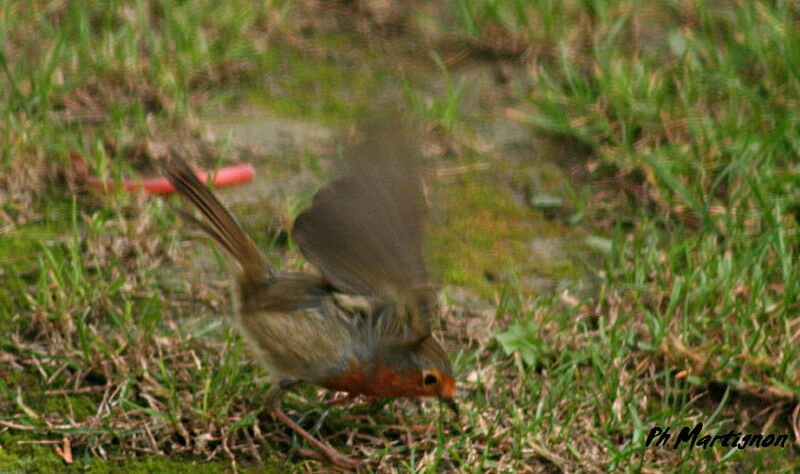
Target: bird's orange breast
x: 381, y: 382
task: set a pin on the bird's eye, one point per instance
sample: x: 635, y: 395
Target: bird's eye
x: 429, y: 378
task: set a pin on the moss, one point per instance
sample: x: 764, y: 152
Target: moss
x: 486, y: 235
x: 30, y: 457
x: 16, y: 457
x: 159, y: 465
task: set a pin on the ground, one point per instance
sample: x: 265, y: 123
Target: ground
x: 614, y: 198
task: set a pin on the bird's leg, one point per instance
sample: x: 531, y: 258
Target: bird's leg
x: 274, y: 396
x: 276, y: 391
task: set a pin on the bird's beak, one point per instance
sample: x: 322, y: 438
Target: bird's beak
x: 451, y: 404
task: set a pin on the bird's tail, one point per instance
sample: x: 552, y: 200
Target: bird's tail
x: 219, y: 224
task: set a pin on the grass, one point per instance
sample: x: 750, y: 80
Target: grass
x: 671, y: 298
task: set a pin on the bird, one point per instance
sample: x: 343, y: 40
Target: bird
x: 363, y: 324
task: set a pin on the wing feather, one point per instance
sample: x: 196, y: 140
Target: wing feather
x: 365, y: 231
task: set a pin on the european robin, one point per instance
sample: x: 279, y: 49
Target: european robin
x: 364, y: 325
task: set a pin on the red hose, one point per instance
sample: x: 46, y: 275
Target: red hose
x: 227, y: 176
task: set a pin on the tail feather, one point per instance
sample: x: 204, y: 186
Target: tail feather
x: 221, y: 225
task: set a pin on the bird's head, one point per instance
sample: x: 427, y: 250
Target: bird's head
x: 421, y: 369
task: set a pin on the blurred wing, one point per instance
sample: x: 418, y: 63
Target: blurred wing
x: 365, y: 230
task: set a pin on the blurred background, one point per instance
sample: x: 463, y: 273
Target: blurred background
x: 614, y: 194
